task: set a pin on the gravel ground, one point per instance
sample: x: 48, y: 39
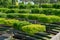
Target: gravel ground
x: 6, y: 33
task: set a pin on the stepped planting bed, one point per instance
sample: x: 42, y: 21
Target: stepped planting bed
x: 29, y: 22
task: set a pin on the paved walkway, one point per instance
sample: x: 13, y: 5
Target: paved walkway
x: 6, y: 33
x: 56, y: 37
x: 4, y: 36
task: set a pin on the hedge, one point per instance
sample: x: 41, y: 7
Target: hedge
x: 16, y: 11
x: 39, y: 17
x: 29, y: 6
x: 14, y: 23
x: 34, y: 28
x: 56, y: 5
x: 19, y: 25
x: 7, y: 10
x: 23, y: 26
x: 46, y: 5
x: 47, y: 11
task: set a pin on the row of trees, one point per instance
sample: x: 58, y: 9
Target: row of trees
x: 6, y: 3
x: 46, y: 1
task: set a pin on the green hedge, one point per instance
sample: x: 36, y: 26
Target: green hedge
x: 28, y: 6
x: 40, y: 17
x: 19, y: 25
x: 12, y: 6
x: 3, y: 15
x: 14, y: 23
x: 56, y: 5
x: 46, y: 5
x: 3, y: 9
x: 33, y: 28
x: 7, y: 10
x: 47, y: 11
x: 23, y: 26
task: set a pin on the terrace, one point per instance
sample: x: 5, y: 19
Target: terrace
x: 29, y: 22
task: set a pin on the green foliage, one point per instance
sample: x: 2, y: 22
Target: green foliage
x: 12, y: 6
x: 33, y: 28
x: 3, y: 9
x: 6, y: 10
x: 44, y: 19
x: 16, y: 24
x: 39, y: 17
x: 23, y: 25
x: 35, y: 10
x: 3, y: 15
x: 23, y: 11
x: 46, y: 5
x: 54, y: 18
x: 10, y: 16
x: 20, y: 24
x: 56, y: 12
x: 47, y: 11
x: 28, y: 6
x: 5, y: 3
x: 10, y: 22
x: 10, y: 11
x: 2, y: 20
x: 56, y: 6
x: 22, y: 6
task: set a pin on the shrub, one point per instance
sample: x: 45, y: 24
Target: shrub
x: 56, y: 6
x: 10, y: 11
x: 44, y: 19
x: 35, y: 10
x: 16, y: 24
x: 2, y: 20
x: 10, y: 22
x: 47, y: 11
x: 32, y: 6
x: 10, y: 16
x: 54, y: 19
x: 46, y: 5
x: 3, y: 9
x: 24, y: 11
x: 56, y: 12
x: 20, y: 24
x: 22, y: 6
x: 2, y: 15
x: 39, y: 17
x: 12, y: 6
x: 21, y: 16
x: 33, y: 28
x: 33, y: 16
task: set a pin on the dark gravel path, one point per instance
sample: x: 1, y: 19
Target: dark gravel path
x: 6, y: 33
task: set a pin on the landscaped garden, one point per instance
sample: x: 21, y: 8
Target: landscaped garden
x: 30, y: 22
